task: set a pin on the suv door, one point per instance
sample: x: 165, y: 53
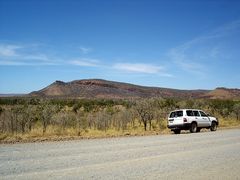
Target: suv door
x: 190, y: 116
x: 205, y: 119
x: 198, y: 118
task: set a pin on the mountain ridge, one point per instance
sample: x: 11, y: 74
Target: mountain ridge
x: 100, y: 88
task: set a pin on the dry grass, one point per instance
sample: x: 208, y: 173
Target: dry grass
x: 224, y: 123
x: 55, y: 133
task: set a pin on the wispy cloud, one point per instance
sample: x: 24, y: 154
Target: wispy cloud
x: 192, y: 55
x: 225, y: 30
x: 138, y: 67
x: 32, y: 54
x: 184, y: 60
x: 22, y: 63
x: 85, y: 62
x: 85, y: 50
x: 18, y: 55
x: 215, y: 52
x: 12, y: 63
x: 40, y: 57
x: 8, y: 50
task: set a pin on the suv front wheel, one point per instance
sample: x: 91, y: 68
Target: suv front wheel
x: 213, y: 126
x: 193, y: 127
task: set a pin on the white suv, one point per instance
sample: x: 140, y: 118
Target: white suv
x: 191, y: 119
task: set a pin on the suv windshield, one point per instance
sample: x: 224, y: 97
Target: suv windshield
x: 176, y: 114
x: 203, y: 114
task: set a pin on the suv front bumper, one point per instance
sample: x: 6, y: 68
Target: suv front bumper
x: 185, y: 126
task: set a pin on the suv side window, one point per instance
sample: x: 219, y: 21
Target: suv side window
x: 203, y: 114
x: 196, y: 113
x: 189, y: 113
x: 179, y: 114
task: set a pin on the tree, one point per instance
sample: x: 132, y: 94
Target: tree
x: 2, y: 127
x: 23, y: 118
x: 121, y: 119
x: 126, y: 118
x: 16, y: 118
x: 46, y: 111
x: 31, y: 113
x: 103, y: 120
x: 81, y: 120
x: 1, y: 110
x: 145, y: 111
x: 91, y: 120
x: 236, y: 110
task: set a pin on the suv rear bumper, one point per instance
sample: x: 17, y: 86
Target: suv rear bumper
x: 184, y: 126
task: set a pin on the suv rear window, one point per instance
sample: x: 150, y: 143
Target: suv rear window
x: 176, y: 114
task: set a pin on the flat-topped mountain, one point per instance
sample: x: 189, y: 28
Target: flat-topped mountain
x: 98, y: 88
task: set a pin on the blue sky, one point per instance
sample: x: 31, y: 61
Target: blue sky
x: 184, y: 44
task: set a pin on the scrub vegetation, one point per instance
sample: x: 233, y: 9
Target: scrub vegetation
x: 34, y: 119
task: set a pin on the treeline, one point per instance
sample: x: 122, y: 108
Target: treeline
x: 23, y: 115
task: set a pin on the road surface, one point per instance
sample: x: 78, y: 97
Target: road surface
x: 205, y: 155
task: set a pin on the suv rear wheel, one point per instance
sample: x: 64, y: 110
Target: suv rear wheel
x: 193, y: 127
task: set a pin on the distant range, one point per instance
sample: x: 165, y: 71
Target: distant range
x: 103, y: 89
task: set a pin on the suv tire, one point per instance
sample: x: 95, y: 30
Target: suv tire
x: 213, y: 126
x: 193, y: 127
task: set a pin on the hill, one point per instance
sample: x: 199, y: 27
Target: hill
x: 98, y: 88
x: 223, y: 93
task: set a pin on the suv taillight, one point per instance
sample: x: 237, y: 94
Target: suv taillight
x: 184, y: 119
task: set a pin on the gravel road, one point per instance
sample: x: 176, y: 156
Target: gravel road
x: 205, y: 155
